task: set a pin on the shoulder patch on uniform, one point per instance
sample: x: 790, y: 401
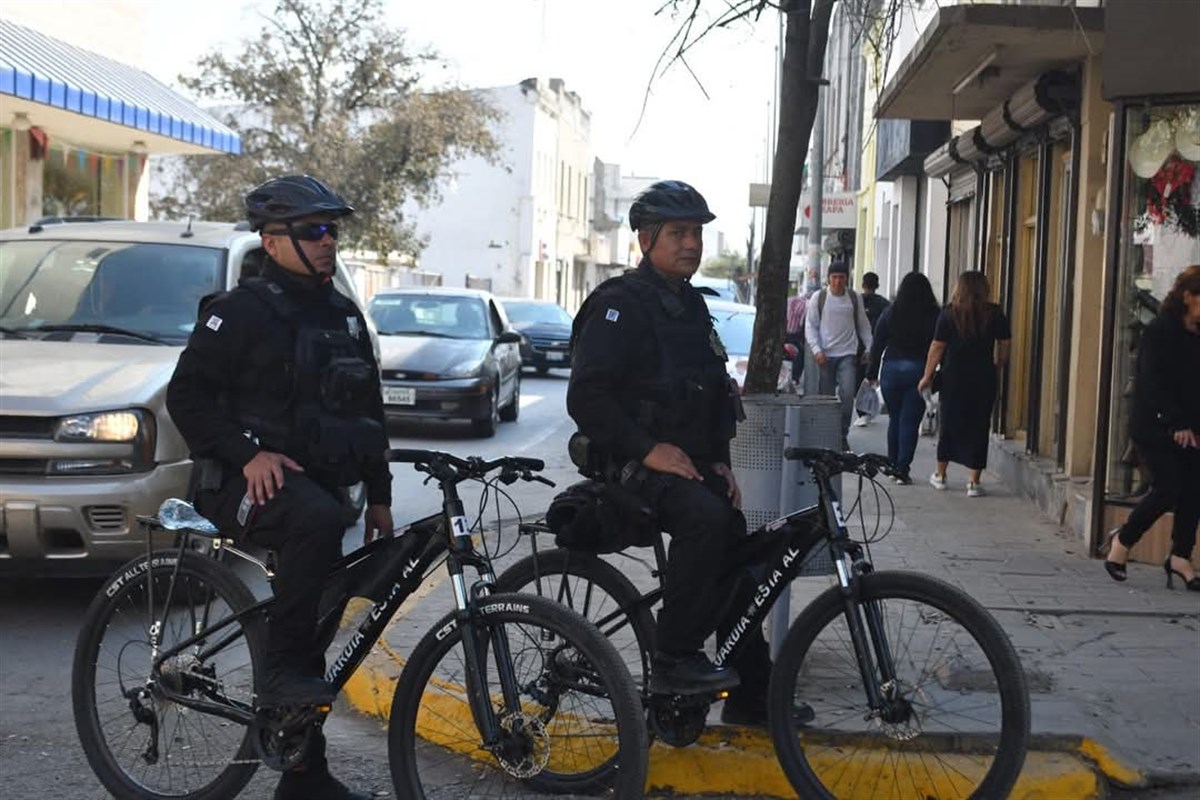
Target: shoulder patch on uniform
x: 214, y: 323
x: 612, y: 315
x: 352, y: 326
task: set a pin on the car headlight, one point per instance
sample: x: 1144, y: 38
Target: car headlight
x: 109, y: 426
x: 465, y: 369
x: 134, y: 427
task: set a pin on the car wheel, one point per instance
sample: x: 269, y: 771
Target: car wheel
x: 354, y: 500
x: 543, y: 370
x: 511, y: 411
x: 486, y: 427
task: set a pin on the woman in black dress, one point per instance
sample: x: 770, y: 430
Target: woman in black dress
x: 1165, y: 427
x: 970, y: 342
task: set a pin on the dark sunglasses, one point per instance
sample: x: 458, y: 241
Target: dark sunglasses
x: 308, y: 231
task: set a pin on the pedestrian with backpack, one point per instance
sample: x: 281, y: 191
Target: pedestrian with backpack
x: 839, y: 335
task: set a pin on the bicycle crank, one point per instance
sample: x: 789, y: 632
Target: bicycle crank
x: 678, y: 719
x: 282, y: 734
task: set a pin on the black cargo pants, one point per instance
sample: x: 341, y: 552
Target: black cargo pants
x: 303, y: 525
x: 706, y: 589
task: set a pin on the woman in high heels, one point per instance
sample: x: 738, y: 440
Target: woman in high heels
x: 1165, y: 427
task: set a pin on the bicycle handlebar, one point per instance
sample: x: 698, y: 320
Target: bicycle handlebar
x: 464, y: 468
x: 833, y: 462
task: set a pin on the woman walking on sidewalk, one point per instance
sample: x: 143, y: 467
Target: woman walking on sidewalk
x: 1165, y: 428
x: 970, y: 342
x: 903, y: 334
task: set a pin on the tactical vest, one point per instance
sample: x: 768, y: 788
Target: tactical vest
x: 687, y: 400
x: 321, y: 417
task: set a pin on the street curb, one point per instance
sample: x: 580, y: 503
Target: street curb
x: 738, y: 761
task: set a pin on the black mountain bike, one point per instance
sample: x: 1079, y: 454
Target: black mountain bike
x: 506, y: 694
x: 916, y: 690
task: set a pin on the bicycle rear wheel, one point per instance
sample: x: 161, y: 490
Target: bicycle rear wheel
x: 139, y: 742
x: 575, y: 727
x: 596, y: 590
x: 956, y: 720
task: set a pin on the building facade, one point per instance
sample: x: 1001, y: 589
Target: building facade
x: 77, y: 122
x: 1065, y: 173
x: 520, y: 227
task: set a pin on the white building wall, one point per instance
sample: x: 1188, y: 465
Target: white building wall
x: 933, y: 247
x: 510, y: 223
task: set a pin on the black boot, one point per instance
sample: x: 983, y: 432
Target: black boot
x: 750, y: 708
x: 692, y: 673
x: 314, y: 784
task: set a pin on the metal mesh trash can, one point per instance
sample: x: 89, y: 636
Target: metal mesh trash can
x: 770, y: 486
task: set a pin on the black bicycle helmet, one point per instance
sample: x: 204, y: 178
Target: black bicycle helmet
x: 665, y: 201
x: 291, y: 197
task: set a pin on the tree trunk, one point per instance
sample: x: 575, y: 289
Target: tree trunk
x: 806, y: 36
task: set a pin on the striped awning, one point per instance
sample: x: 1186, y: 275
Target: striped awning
x: 43, y: 70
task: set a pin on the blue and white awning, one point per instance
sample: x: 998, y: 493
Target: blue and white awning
x: 45, y: 71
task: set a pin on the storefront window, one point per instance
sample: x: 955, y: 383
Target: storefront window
x: 1159, y: 237
x: 77, y: 182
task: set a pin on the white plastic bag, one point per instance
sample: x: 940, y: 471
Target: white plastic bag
x: 867, y: 402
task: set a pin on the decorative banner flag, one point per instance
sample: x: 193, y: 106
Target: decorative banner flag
x: 93, y: 163
x: 80, y: 160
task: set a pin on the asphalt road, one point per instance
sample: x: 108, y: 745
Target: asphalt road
x: 40, y: 756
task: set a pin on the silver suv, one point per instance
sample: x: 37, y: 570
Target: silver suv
x: 93, y: 316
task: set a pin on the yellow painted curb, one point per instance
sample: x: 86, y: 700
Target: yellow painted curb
x: 742, y: 762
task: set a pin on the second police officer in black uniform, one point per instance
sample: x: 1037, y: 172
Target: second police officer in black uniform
x: 277, y: 395
x: 649, y: 389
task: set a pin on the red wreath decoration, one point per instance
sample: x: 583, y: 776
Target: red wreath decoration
x: 1169, y: 196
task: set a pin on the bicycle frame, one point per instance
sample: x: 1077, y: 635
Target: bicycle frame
x: 794, y: 536
x: 407, y: 560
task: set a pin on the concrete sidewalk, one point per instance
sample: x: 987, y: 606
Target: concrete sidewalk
x: 1113, y: 668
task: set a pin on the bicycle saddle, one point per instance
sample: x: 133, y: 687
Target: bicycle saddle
x: 177, y: 515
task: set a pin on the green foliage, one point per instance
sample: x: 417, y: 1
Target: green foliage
x: 328, y: 89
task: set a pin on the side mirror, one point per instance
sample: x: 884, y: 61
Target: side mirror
x: 508, y: 337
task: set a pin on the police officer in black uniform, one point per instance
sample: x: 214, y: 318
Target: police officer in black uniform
x: 277, y: 395
x: 649, y: 389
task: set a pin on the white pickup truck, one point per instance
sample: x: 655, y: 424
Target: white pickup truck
x: 93, y: 316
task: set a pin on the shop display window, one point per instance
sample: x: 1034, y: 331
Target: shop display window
x: 1159, y: 238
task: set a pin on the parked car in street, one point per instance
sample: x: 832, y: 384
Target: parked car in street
x: 447, y: 354
x: 735, y: 325
x: 546, y: 328
x: 723, y: 288
x: 93, y: 317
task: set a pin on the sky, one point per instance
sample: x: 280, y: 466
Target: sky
x: 710, y: 130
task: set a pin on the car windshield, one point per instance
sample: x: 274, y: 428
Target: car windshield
x: 430, y: 315
x: 533, y: 313
x: 736, y: 329
x: 150, y: 290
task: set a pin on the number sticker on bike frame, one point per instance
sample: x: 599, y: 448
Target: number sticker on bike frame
x: 837, y: 514
x: 460, y: 526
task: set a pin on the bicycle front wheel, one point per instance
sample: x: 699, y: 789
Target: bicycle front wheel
x: 954, y: 718
x: 574, y: 726
x: 140, y: 742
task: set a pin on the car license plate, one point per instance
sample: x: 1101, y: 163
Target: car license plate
x: 399, y: 396
x: 553, y: 356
